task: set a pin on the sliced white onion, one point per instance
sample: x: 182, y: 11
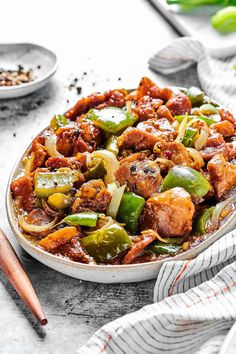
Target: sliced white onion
x: 215, y: 220
x: 115, y: 201
x: 51, y: 146
x: 48, y: 209
x: 129, y: 106
x: 35, y: 228
x: 112, y: 187
x: 181, y: 130
x: 201, y: 141
x: 167, y: 240
x: 111, y: 163
x: 28, y: 167
x: 196, y: 156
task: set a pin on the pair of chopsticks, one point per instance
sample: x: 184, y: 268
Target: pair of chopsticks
x: 12, y: 268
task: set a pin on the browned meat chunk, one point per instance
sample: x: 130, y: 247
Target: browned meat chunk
x: 100, y: 100
x: 82, y: 136
x: 224, y: 128
x: 164, y: 112
x: 226, y: 115
x: 94, y: 196
x: 58, y: 162
x: 117, y: 99
x: 141, y: 174
x: 74, y: 251
x: 177, y: 153
x: 222, y: 174
x: 38, y: 217
x: 179, y: 104
x: 140, y: 243
x: 40, y: 153
x: 22, y: 191
x: 169, y: 213
x: 148, y: 88
x: 147, y: 134
x: 146, y: 107
x: 89, y: 132
x: 83, y: 105
x: 217, y: 145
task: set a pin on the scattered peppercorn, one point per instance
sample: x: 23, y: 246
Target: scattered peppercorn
x: 79, y: 89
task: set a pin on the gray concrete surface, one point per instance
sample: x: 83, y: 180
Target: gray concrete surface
x: 75, y: 309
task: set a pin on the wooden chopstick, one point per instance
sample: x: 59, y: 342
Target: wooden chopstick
x: 14, y: 271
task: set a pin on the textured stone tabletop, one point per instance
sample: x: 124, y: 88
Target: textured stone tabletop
x: 104, y: 44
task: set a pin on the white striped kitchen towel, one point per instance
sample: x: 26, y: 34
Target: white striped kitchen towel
x: 195, y: 305
x: 217, y: 77
x: 195, y: 300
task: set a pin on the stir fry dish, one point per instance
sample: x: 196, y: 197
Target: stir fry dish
x: 129, y: 176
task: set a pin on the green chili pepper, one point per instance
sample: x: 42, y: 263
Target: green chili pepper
x: 111, y: 119
x: 190, y: 136
x: 161, y: 247
x: 87, y: 218
x: 130, y: 208
x: 208, y: 109
x: 207, y: 120
x: 58, y: 121
x: 188, y: 178
x: 112, y: 145
x: 105, y: 244
x: 96, y: 172
x: 195, y: 95
x: 224, y: 21
x: 47, y: 183
x: 202, y: 221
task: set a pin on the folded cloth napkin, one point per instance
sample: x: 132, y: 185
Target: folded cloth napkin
x: 195, y: 300
x: 217, y: 77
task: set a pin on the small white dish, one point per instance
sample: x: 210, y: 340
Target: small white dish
x: 41, y: 60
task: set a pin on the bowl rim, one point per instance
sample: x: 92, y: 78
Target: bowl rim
x: 47, y: 75
x: 12, y: 218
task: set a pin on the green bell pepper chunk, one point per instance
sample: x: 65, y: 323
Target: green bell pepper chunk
x: 207, y: 120
x: 58, y: 121
x: 96, y: 172
x: 188, y: 178
x: 202, y: 220
x: 224, y: 21
x: 47, y: 183
x: 112, y: 145
x: 105, y: 244
x: 190, y: 136
x: 161, y: 247
x: 87, y: 218
x: 195, y: 95
x: 130, y: 209
x: 111, y: 119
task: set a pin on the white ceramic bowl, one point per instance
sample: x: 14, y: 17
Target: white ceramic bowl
x: 41, y: 60
x: 102, y: 273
